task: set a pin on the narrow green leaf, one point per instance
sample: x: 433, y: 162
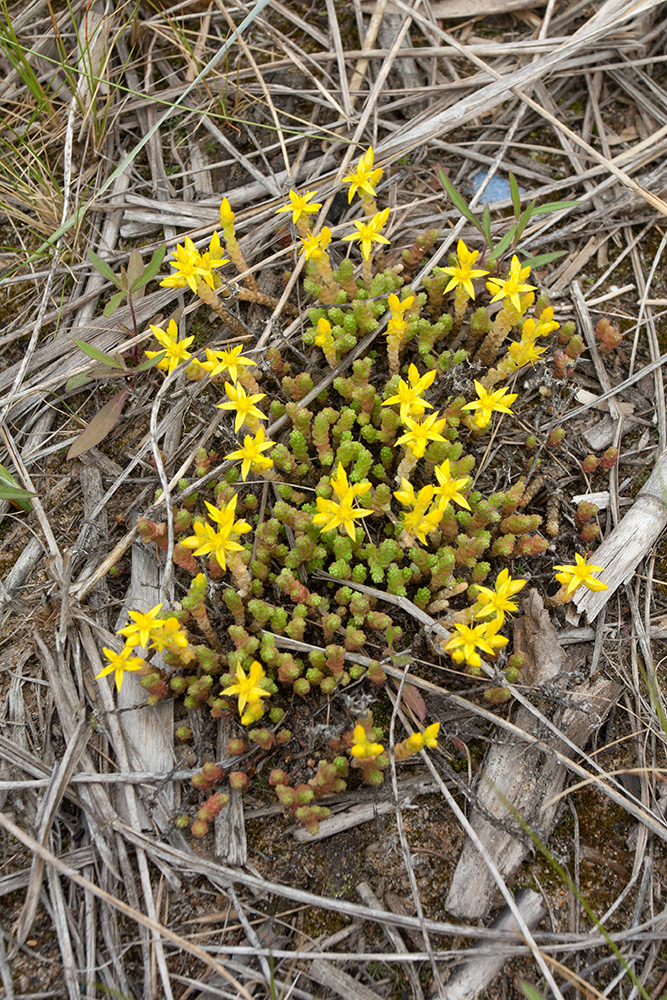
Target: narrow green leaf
x: 150, y: 362
x: 555, y: 206
x: 503, y: 244
x: 93, y: 352
x: 530, y: 992
x: 458, y: 201
x: 526, y: 216
x: 114, y: 302
x: 486, y: 224
x: 103, y: 268
x: 516, y: 196
x: 152, y: 268
x: 10, y: 490
x: 102, y: 423
x: 77, y: 381
x: 135, y: 267
x: 543, y: 258
x: 19, y: 496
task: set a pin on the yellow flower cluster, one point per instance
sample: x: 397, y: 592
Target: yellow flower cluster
x: 426, y: 508
x: 144, y: 630
x: 492, y: 605
x: 362, y: 747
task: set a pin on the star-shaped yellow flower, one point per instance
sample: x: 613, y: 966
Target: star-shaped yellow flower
x: 119, y: 663
x: 171, y: 634
x: 341, y: 513
x: 408, y: 393
x: 419, y: 434
x: 342, y: 488
x: 251, y: 453
x: 247, y: 686
x: 462, y: 273
x: 525, y: 352
x: 369, y: 233
x: 207, y: 541
x: 572, y: 577
x: 363, y: 178
x: 189, y: 267
x: 315, y: 246
x: 138, y: 631
x: 232, y: 361
x: 175, y: 350
x: 512, y: 287
x: 299, y: 205
x: 489, y: 402
x: 468, y: 639
x: 242, y: 403
x: 497, y: 602
x: 448, y: 488
x: 419, y: 523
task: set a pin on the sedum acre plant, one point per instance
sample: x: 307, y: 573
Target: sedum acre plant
x: 361, y: 487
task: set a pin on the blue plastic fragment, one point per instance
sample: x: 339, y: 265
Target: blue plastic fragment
x: 498, y: 188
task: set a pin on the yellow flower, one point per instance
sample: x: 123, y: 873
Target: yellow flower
x: 298, y: 205
x: 406, y: 495
x: 362, y: 747
x: 429, y: 738
x: 497, y: 601
x: 207, y: 541
x: 253, y: 712
x: 463, y: 273
x: 331, y: 515
x: 176, y: 351
x: 139, y: 631
x: 512, y: 286
x: 315, y: 246
x: 214, y: 256
x: 408, y: 393
x: 525, y: 352
x: 224, y: 517
x: 369, y: 232
x: 343, y: 489
x: 324, y: 338
x: 489, y: 402
x: 363, y: 178
x: 189, y: 267
x: 170, y: 634
x: 247, y: 687
x: 251, y: 453
x: 119, y: 663
x: 232, y: 361
x: 418, y: 434
x: 226, y: 215
x: 464, y: 645
x: 398, y: 308
x: 419, y: 523
x: 448, y: 489
x: 573, y: 577
x: 242, y: 403
x: 546, y: 323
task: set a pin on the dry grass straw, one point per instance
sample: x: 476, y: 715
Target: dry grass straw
x: 293, y: 102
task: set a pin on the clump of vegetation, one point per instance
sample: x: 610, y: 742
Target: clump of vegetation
x: 374, y: 485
